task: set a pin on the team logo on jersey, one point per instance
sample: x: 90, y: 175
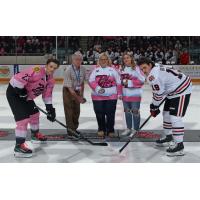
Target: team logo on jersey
x: 126, y: 76
x: 151, y: 78
x: 38, y: 90
x: 36, y: 69
x: 105, y: 81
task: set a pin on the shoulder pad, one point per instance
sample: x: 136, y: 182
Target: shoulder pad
x: 37, y: 68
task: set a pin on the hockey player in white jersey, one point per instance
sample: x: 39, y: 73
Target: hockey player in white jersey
x: 176, y: 88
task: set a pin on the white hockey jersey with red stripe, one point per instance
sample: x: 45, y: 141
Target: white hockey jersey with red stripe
x: 168, y: 82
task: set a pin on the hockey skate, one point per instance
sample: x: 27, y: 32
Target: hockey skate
x: 176, y: 150
x: 164, y: 142
x: 22, y: 151
x: 38, y: 138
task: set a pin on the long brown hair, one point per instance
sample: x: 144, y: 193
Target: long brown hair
x: 133, y: 64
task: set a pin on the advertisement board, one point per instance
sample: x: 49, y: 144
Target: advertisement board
x: 6, y: 71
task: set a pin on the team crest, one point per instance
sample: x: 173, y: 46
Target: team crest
x: 36, y: 69
x: 151, y: 78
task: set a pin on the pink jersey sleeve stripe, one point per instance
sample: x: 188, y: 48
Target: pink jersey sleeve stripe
x: 93, y: 84
x: 100, y: 98
x: 137, y: 83
x: 119, y: 89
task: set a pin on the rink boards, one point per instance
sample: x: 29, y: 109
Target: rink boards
x: 7, y: 71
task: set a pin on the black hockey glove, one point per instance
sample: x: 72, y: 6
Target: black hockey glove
x: 51, y: 112
x: 21, y: 92
x: 154, y: 110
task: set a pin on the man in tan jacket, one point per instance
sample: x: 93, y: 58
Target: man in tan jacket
x: 73, y: 90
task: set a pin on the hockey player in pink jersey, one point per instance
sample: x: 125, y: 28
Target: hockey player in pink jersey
x: 23, y: 88
x: 175, y: 87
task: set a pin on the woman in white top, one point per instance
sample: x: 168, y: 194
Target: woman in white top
x: 132, y: 81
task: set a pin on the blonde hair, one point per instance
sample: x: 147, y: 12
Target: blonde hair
x: 109, y: 62
x: 133, y: 64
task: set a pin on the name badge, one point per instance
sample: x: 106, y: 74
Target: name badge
x: 78, y: 88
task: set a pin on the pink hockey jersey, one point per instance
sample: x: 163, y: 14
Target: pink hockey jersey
x: 36, y: 82
x: 108, y: 79
x: 133, y: 91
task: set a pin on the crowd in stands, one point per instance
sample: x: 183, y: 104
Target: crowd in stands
x: 171, y: 50
x: 34, y: 45
x: 26, y: 45
x: 166, y: 50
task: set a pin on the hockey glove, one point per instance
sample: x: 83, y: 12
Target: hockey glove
x: 21, y: 92
x: 154, y: 110
x: 51, y: 112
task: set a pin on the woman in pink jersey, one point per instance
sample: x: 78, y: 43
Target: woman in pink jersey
x: 106, y: 85
x: 23, y: 88
x: 132, y: 81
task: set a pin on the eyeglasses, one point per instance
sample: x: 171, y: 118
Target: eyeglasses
x: 103, y: 59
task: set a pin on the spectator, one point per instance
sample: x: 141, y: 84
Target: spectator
x: 159, y: 55
x: 129, y: 52
x: 106, y: 88
x: 2, y: 51
x: 132, y: 82
x: 174, y: 58
x: 184, y: 58
x: 137, y: 55
x: 178, y: 45
x: 73, y: 93
x: 90, y: 55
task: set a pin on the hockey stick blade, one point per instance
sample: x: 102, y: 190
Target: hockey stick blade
x: 89, y: 141
x: 123, y: 147
x: 98, y: 143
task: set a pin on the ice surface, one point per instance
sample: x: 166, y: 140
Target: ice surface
x: 81, y: 152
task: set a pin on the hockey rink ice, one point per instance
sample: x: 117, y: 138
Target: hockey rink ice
x: 66, y: 151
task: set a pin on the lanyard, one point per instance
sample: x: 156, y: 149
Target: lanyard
x: 77, y: 75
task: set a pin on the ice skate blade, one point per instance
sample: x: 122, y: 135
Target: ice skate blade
x: 162, y: 145
x: 124, y: 136
x: 179, y: 153
x: 22, y: 155
x: 38, y: 142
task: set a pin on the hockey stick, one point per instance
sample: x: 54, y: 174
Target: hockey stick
x: 84, y: 138
x: 131, y: 138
